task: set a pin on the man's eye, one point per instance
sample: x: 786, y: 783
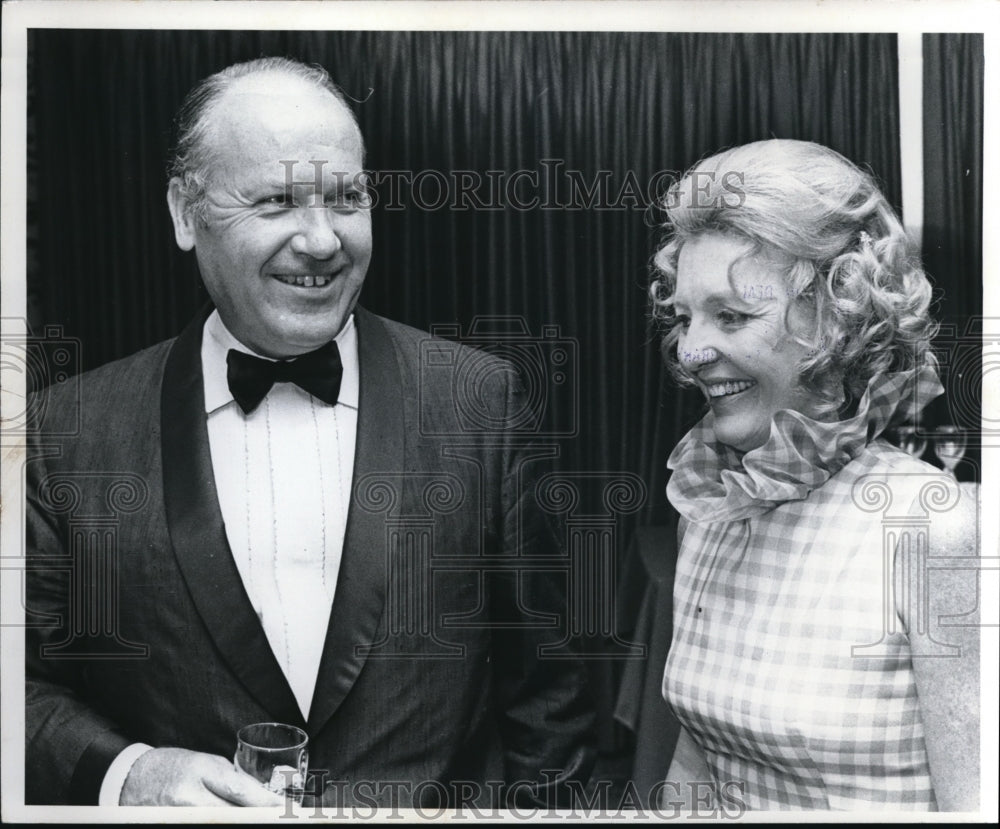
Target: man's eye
x: 277, y: 200
x: 682, y: 321
x: 349, y: 200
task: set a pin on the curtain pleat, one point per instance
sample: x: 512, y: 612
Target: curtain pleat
x: 953, y: 228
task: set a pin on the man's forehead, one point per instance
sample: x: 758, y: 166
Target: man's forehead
x: 278, y: 109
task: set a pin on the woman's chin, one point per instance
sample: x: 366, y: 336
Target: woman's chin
x: 742, y: 440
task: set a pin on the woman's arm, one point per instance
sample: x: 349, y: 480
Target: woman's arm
x: 948, y: 682
x: 687, y: 768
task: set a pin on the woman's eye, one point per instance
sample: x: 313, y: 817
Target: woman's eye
x: 682, y: 320
x: 727, y: 317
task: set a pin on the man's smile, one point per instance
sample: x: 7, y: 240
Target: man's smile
x: 318, y: 280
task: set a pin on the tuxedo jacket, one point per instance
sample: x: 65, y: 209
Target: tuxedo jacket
x: 445, y: 658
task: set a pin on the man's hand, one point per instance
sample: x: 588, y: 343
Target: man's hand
x: 178, y: 777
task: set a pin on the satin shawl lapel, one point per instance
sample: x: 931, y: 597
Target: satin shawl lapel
x: 361, y: 586
x: 198, y: 534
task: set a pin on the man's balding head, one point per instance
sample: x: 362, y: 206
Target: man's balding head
x: 270, y: 192
x: 194, y: 156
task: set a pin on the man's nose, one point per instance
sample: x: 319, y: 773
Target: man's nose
x: 695, y: 347
x: 316, y: 235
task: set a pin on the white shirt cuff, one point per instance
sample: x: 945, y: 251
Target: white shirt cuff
x: 114, y: 778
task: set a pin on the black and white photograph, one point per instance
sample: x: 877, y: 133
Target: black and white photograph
x: 537, y: 412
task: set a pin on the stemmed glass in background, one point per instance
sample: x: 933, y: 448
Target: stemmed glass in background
x: 910, y: 439
x: 949, y: 446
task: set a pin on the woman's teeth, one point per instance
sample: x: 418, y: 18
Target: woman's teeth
x: 318, y: 280
x: 729, y: 387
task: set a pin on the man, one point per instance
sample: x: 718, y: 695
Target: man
x: 274, y: 545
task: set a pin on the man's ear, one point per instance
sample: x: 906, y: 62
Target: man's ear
x: 183, y: 217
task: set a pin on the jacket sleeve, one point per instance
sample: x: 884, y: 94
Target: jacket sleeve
x: 545, y: 707
x: 68, y: 745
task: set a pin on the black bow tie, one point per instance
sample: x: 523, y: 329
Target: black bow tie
x: 318, y: 372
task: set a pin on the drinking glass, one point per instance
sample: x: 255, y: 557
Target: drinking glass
x: 276, y: 755
x: 949, y: 446
x: 910, y: 439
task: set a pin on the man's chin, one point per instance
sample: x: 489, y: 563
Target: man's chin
x: 282, y: 345
x: 297, y: 346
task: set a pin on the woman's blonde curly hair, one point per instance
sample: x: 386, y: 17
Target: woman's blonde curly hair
x: 850, y: 267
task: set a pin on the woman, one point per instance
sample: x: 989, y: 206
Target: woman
x: 788, y: 297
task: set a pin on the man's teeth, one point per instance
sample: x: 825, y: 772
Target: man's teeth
x: 318, y: 280
x: 729, y: 387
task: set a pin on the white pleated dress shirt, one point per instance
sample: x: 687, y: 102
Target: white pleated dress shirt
x: 283, y: 474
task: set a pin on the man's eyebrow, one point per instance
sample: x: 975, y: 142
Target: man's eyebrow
x: 265, y: 183
x: 331, y: 182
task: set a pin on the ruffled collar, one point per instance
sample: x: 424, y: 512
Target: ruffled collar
x: 713, y: 482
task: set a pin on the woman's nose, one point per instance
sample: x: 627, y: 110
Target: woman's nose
x: 695, y: 348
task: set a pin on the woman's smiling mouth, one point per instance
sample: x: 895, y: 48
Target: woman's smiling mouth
x: 726, y: 388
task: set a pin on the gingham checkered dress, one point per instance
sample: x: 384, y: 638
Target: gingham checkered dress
x: 779, y: 577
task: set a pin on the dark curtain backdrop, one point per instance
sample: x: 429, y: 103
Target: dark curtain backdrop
x: 621, y: 106
x: 953, y: 226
